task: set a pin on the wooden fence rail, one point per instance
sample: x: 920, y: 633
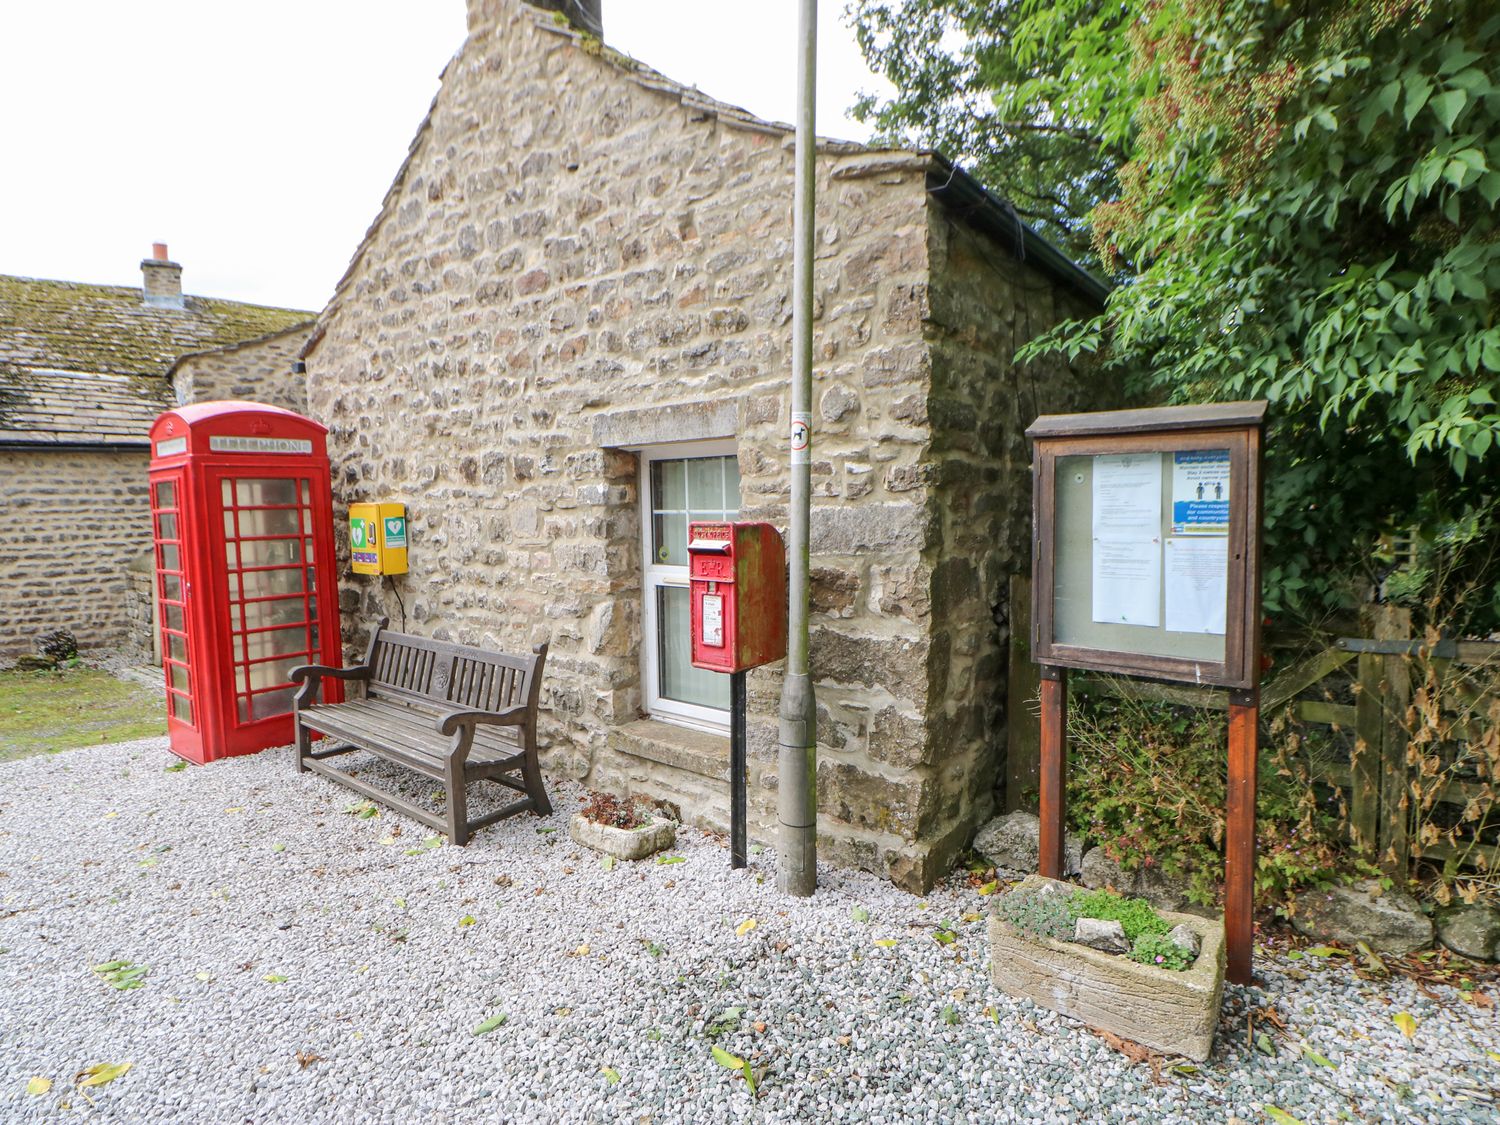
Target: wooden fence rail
x: 1359, y: 688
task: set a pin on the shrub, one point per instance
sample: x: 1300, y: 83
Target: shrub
x: 59, y: 646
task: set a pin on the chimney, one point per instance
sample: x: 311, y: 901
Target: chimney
x: 161, y: 279
x: 582, y: 14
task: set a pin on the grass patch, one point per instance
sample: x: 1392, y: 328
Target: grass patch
x: 44, y: 712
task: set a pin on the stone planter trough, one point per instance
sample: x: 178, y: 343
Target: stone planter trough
x: 1174, y: 1012
x: 624, y: 843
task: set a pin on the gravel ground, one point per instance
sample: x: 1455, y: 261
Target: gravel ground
x: 307, y: 964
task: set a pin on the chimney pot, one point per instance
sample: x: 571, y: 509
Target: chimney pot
x: 161, y: 279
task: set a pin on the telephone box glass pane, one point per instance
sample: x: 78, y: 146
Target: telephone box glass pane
x: 679, y: 679
x: 166, y: 494
x: 178, y: 675
x: 171, y: 587
x: 171, y: 557
x: 282, y: 611
x: 181, y: 708
x: 276, y: 642
x: 269, y: 552
x: 166, y: 526
x: 271, y: 583
x: 274, y: 672
x: 258, y: 522
x: 272, y: 491
x: 176, y: 647
x: 172, y: 616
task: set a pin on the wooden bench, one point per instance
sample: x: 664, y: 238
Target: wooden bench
x: 450, y: 712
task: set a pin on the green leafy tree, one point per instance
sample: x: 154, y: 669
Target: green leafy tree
x: 1299, y: 198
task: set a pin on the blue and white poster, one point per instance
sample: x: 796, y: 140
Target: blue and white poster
x: 1200, y: 492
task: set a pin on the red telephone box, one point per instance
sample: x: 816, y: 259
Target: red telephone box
x: 737, y: 573
x: 242, y: 514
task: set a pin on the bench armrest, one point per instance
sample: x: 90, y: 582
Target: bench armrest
x: 517, y: 716
x: 312, y: 673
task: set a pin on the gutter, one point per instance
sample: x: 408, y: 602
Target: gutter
x: 961, y: 193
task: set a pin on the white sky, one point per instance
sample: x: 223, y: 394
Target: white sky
x: 257, y: 140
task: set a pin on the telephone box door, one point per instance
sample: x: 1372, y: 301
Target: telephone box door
x: 174, y: 607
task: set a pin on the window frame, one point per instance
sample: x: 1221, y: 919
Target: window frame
x: 655, y: 575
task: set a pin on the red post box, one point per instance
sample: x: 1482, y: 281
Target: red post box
x: 242, y: 514
x: 737, y: 573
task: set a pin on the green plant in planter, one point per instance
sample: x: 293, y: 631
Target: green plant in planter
x: 1134, y: 914
x: 1038, y: 915
x: 1155, y: 949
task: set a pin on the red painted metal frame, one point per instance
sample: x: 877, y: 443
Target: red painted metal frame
x: 264, y: 443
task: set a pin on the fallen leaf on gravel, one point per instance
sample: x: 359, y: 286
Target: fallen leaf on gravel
x: 1281, y: 1116
x: 387, y: 840
x: 662, y: 860
x: 1494, y: 1056
x: 608, y: 863
x: 734, y: 1062
x: 110, y: 815
x: 176, y: 767
x: 305, y: 1059
x: 885, y: 942
x: 1327, y: 951
x: 235, y: 809
x: 490, y: 1024
x: 203, y: 976
x: 563, y: 1012
x: 860, y: 914
x: 744, y: 927
x: 1373, y: 963
x: 1317, y: 1058
x: 466, y: 920
x: 39, y: 1085
x: 971, y: 916
x: 760, y: 1026
x: 121, y: 974
x: 274, y: 978
x: 1406, y: 1022
x: 100, y: 1073
x: 581, y: 951
x: 944, y: 935
x: 611, y: 1075
x: 990, y: 888
x: 1264, y: 1045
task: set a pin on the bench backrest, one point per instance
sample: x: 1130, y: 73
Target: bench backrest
x: 459, y: 676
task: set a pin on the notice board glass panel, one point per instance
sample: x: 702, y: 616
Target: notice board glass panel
x: 1142, y: 553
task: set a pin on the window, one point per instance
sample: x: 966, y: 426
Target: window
x: 680, y: 483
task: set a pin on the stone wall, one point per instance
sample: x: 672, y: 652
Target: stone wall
x: 578, y: 260
x: 57, y: 572
x: 257, y: 371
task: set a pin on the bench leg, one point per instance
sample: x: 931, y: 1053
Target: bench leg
x: 304, y: 743
x: 531, y: 770
x: 458, y: 807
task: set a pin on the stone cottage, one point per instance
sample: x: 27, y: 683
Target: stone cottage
x: 567, y: 334
x: 84, y: 370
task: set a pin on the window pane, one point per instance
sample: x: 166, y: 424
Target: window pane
x: 166, y: 494
x: 679, y: 679
x: 274, y: 672
x: 266, y: 491
x: 282, y: 611
x: 269, y: 552
x: 670, y: 537
x: 667, y: 485
x: 268, y: 583
x: 705, y: 484
x: 280, y: 642
x: 272, y: 521
x: 731, y: 487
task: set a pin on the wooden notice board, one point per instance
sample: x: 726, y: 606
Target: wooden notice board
x: 1146, y: 562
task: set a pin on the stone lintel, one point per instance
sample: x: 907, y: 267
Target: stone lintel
x: 682, y: 748
x: 705, y: 420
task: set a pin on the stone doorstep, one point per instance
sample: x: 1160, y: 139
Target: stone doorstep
x: 1167, y: 1011
x: 694, y: 751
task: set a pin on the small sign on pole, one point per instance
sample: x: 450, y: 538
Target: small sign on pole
x: 1146, y: 563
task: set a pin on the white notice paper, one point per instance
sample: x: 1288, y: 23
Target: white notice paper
x: 1197, y: 584
x: 1127, y: 539
x: 713, y: 620
x: 1127, y: 581
x: 1127, y: 496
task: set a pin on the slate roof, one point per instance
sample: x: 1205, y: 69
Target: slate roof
x: 88, y: 364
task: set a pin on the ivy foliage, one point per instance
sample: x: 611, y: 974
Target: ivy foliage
x: 1298, y: 200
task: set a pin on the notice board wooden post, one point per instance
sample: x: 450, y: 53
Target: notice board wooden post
x: 1146, y: 562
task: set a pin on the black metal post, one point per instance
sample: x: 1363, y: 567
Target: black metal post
x: 738, y: 769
